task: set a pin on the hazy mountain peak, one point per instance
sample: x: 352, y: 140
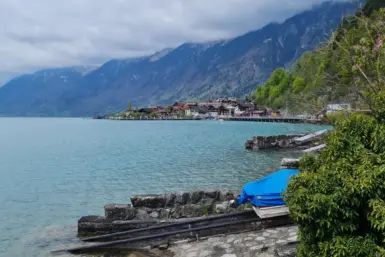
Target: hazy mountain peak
x: 207, y: 70
x: 158, y: 55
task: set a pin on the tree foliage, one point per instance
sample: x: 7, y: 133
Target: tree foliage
x: 335, y: 72
x: 371, y: 6
x: 298, y: 85
x: 272, y: 93
x: 338, y: 199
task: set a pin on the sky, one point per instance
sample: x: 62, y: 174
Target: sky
x: 38, y: 34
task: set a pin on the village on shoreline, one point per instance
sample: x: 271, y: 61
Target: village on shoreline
x: 221, y: 108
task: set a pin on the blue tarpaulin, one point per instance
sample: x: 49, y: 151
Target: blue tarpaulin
x: 267, y: 191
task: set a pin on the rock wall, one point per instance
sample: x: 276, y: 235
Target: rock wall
x: 281, y: 142
x: 268, y: 142
x: 147, y: 210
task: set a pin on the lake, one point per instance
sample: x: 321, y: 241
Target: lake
x: 53, y: 171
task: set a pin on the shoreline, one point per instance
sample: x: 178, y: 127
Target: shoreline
x: 291, y: 120
x: 163, y: 221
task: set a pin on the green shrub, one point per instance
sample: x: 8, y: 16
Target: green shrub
x: 336, y: 117
x: 338, y: 198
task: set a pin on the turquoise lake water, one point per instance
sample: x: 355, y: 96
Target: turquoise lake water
x: 53, y: 171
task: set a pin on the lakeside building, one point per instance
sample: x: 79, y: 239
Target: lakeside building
x: 213, y: 109
x: 338, y: 107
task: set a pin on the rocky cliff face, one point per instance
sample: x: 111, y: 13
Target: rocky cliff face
x: 231, y: 67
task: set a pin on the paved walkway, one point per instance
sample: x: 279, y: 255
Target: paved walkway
x: 267, y: 243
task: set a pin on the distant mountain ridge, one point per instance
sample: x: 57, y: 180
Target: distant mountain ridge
x: 221, y: 68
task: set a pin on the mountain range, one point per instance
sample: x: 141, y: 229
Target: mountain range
x: 231, y: 67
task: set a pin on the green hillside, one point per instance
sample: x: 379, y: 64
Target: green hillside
x: 337, y: 200
x: 346, y: 69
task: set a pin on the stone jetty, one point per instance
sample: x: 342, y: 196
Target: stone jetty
x: 149, y: 210
x: 269, y: 142
x: 285, y: 142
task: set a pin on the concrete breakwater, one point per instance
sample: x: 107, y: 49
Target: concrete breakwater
x: 268, y: 142
x: 149, y: 210
x: 286, y: 141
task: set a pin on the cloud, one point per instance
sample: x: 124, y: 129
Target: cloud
x: 53, y: 33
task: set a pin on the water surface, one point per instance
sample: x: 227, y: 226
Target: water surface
x: 53, y: 171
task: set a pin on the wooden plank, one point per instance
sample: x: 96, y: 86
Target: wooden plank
x: 309, y: 137
x: 271, y: 212
x: 315, y: 149
x: 289, y: 163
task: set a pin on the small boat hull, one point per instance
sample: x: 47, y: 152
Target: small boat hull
x: 270, y: 212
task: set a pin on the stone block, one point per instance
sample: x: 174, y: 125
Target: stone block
x: 142, y: 214
x: 170, y: 199
x: 207, y: 202
x: 226, y: 196
x: 196, y: 196
x: 192, y: 210
x: 213, y: 195
x: 119, y: 212
x: 189, y: 211
x: 249, y: 145
x: 222, y: 207
x: 149, y: 201
x: 164, y: 214
x: 182, y: 199
x: 154, y: 214
x: 93, y: 224
x: 268, y: 142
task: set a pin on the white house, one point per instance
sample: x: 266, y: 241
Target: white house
x: 238, y: 111
x: 338, y: 107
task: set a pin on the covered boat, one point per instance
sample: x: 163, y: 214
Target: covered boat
x: 268, y: 191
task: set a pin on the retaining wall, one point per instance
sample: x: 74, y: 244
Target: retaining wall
x: 148, y: 210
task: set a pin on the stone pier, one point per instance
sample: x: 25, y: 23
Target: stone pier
x: 269, y: 142
x: 148, y: 210
x: 284, y: 142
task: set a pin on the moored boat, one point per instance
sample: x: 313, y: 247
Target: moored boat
x: 266, y: 194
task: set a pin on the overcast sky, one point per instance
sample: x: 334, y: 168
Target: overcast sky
x: 36, y: 34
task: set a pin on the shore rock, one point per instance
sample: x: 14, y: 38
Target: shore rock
x: 283, y: 142
x: 213, y: 194
x: 171, y: 200
x: 93, y: 224
x: 279, y: 141
x: 182, y: 199
x: 149, y: 201
x: 222, y: 207
x: 196, y: 196
x: 226, y: 196
x: 119, y: 212
x: 142, y: 214
x: 189, y: 211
